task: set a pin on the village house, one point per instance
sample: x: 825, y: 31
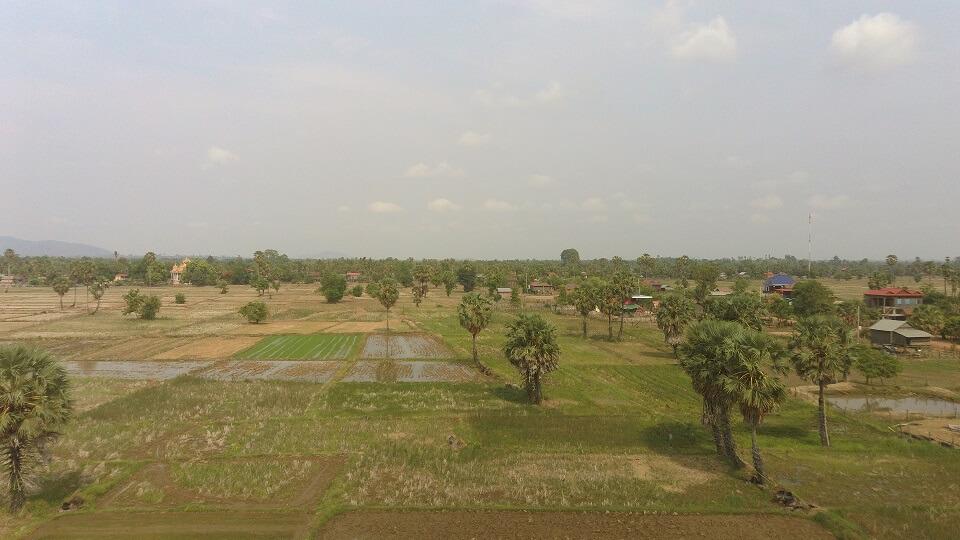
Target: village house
x: 352, y: 276
x: 176, y: 273
x: 898, y: 333
x: 774, y: 282
x: 893, y: 302
x: 539, y: 287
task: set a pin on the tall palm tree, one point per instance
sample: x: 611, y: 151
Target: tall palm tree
x: 532, y: 348
x: 757, y: 391
x: 34, y: 406
x: 475, y: 312
x: 709, y: 356
x: 818, y: 350
x: 585, y: 299
x: 676, y: 311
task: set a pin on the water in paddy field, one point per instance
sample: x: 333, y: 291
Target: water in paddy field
x: 918, y: 405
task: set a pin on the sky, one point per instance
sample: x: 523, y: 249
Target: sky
x: 483, y: 129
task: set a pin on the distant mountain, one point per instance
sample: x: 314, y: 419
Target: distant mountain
x: 51, y: 248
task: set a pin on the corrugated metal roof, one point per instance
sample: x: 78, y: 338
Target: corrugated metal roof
x: 901, y: 292
x: 888, y: 325
x: 912, y: 333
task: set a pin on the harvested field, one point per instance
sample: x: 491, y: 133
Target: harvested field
x: 316, y: 347
x: 279, y: 370
x: 410, y: 371
x: 207, y: 328
x: 235, y: 524
x: 209, y: 348
x: 91, y: 392
x: 517, y: 524
x: 281, y: 327
x: 364, y: 327
x: 405, y: 346
x: 135, y: 349
x: 151, y: 371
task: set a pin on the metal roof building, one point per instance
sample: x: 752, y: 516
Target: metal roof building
x: 894, y: 332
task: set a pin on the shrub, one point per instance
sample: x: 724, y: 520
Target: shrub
x: 333, y: 287
x: 149, y: 308
x: 874, y: 364
x: 223, y: 286
x: 255, y: 312
x: 180, y: 298
x: 357, y: 291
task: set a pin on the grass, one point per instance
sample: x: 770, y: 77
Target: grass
x: 310, y: 347
x: 619, y: 430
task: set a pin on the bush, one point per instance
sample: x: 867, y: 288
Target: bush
x: 180, y: 298
x: 333, y: 287
x: 223, y: 286
x: 255, y: 312
x: 357, y: 291
x: 874, y: 364
x: 149, y: 308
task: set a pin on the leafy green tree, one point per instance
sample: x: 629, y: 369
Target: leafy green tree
x: 474, y: 313
x: 929, y: 318
x: 705, y: 275
x: 200, y: 273
x: 133, y: 302
x: 449, y: 281
x: 97, y: 289
x: 746, y: 309
x: 61, y: 286
x: 179, y: 298
x: 82, y: 272
x: 647, y: 264
x: 148, y: 262
x: 356, y: 291
x: 224, y: 286
x: 675, y: 313
x: 333, y: 286
x: 878, y: 280
x: 585, y: 299
x: 388, y: 294
x: 625, y: 285
x: 255, y: 312
x: 818, y: 353
x: 683, y: 270
x: 35, y: 406
x: 260, y: 284
x: 373, y: 289
x: 810, y: 297
x: 418, y: 292
x: 875, y: 364
x: 610, y: 303
x: 740, y: 286
x: 951, y: 328
x: 570, y: 257
x: 531, y: 347
x: 467, y: 277
x: 515, y: 299
x: 892, y: 265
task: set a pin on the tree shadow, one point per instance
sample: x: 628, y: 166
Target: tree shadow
x: 673, y: 437
x: 512, y: 394
x: 55, y: 488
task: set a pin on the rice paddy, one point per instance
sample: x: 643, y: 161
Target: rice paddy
x: 310, y: 347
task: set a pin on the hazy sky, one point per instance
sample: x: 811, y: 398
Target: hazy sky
x: 486, y: 129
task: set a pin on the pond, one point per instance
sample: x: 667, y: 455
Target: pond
x: 914, y: 405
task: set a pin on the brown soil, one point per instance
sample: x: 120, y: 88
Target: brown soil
x: 149, y: 525
x: 209, y: 348
x: 282, y: 327
x: 518, y: 524
x: 363, y: 327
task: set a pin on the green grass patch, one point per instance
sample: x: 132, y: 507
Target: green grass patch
x: 311, y: 347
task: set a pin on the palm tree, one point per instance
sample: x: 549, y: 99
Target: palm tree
x: 892, y: 263
x: 475, y: 312
x: 676, y: 311
x: 532, y: 348
x: 625, y: 285
x: 585, y: 299
x: 758, y: 392
x: 34, y: 406
x: 818, y: 352
x: 710, y: 358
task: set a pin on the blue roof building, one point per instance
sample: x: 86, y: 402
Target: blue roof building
x: 778, y: 281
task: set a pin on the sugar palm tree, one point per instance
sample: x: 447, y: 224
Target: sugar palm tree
x: 676, y: 311
x: 709, y: 357
x: 755, y: 388
x: 818, y: 351
x: 585, y: 299
x: 532, y: 348
x: 475, y: 312
x: 34, y: 406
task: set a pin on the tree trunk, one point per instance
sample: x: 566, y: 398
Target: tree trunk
x: 74, y: 295
x: 15, y: 469
x: 710, y: 419
x: 822, y: 416
x: 537, y: 393
x: 476, y: 360
x: 584, y: 326
x: 620, y: 332
x: 61, y: 302
x: 729, y: 444
x: 610, y: 326
x: 755, y: 451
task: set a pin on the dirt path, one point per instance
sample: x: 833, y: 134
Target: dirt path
x: 518, y: 524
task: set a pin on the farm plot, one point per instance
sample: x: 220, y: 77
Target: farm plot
x: 272, y: 370
x: 313, y: 347
x: 152, y: 371
x: 209, y: 348
x: 404, y: 346
x: 410, y: 371
x: 282, y: 327
x: 135, y: 349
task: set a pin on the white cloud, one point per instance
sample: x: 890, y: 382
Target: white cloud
x: 440, y: 170
x: 822, y: 202
x: 877, y: 42
x: 217, y: 156
x: 770, y: 202
x: 343, y: 208
x: 713, y: 41
x: 443, y: 205
x: 472, y: 138
x: 497, y: 205
x: 552, y: 93
x: 759, y: 219
x: 540, y: 180
x: 594, y: 204
x: 381, y: 207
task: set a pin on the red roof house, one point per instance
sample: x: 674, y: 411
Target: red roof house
x: 897, y: 300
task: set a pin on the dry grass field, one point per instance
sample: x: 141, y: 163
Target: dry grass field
x: 200, y: 424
